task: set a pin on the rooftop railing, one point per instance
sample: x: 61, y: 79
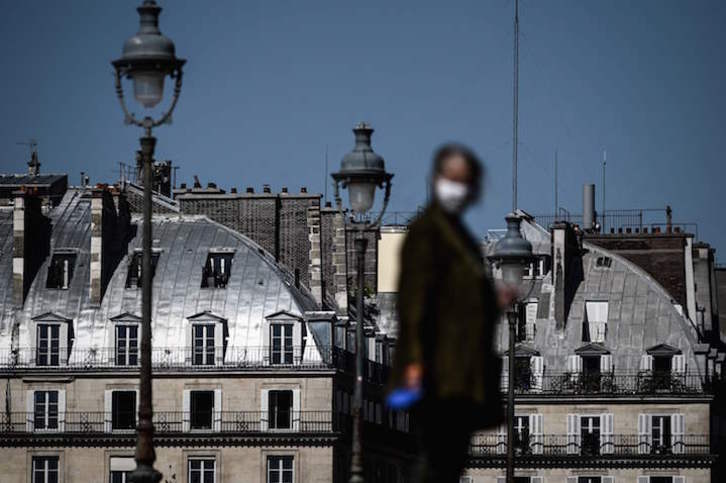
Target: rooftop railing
x: 495, y: 445
x: 611, y: 383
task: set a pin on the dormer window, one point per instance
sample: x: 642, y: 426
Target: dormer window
x: 207, y: 339
x: 284, y: 337
x: 52, y: 336
x: 126, y: 339
x: 595, y: 322
x: 664, y: 366
x: 134, y: 277
x: 217, y: 269
x: 60, y: 270
x: 603, y: 262
x: 536, y: 269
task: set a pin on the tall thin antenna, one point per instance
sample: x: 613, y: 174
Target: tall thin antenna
x: 557, y: 202
x: 604, y: 164
x: 325, y: 180
x: 515, y: 127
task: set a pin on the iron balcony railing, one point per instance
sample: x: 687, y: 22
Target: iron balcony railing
x: 610, y: 383
x: 87, y: 422
x: 495, y: 445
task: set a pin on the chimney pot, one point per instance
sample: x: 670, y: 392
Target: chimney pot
x: 284, y: 189
x: 266, y: 188
x: 328, y: 204
x: 304, y: 189
x: 183, y: 186
x: 250, y: 189
x: 233, y: 190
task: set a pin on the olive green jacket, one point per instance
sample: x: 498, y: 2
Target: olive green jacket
x: 447, y: 309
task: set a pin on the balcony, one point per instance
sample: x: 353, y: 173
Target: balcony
x: 167, y: 422
x: 608, y: 384
x: 489, y: 450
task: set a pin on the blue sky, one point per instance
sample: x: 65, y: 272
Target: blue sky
x: 269, y: 84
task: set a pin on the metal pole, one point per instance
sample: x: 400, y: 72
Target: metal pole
x: 356, y: 462
x: 512, y: 319
x: 145, y: 455
x: 515, y: 127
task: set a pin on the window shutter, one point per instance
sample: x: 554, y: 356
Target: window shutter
x: 644, y: 479
x: 505, y: 372
x: 218, y: 344
x: 108, y: 410
x: 501, y: 440
x: 606, y: 433
x: 537, y: 371
x: 264, y: 410
x: 606, y: 363
x: 644, y: 433
x: 572, y: 479
x: 536, y: 479
x: 608, y: 479
x: 217, y: 421
x: 646, y: 362
x: 186, y: 408
x: 136, y: 408
x: 536, y: 438
x: 29, y: 411
x: 574, y: 366
x: 679, y: 363
x: 61, y: 410
x: 296, y: 415
x: 677, y: 431
x: 573, y: 434
x: 679, y: 479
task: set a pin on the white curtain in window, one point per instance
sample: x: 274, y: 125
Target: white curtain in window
x: 535, y: 429
x: 677, y: 431
x: 645, y: 434
x: 606, y: 433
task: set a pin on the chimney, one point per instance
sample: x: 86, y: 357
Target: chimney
x: 108, y: 234
x: 567, y: 272
x: 340, y: 269
x: 316, y: 258
x: 233, y: 190
x: 31, y: 242
x: 284, y: 189
x: 266, y: 188
x: 250, y: 189
x: 588, y: 207
x: 304, y: 189
x: 669, y: 219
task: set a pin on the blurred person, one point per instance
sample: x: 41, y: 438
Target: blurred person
x: 448, y: 308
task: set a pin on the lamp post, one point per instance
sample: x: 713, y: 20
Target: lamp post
x: 147, y: 58
x: 512, y: 254
x: 362, y: 171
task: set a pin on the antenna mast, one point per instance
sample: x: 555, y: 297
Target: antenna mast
x: 604, y: 163
x: 557, y: 203
x: 515, y: 127
x: 325, y: 180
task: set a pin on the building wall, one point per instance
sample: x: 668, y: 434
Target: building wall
x: 559, y: 475
x: 389, y: 248
x: 234, y: 464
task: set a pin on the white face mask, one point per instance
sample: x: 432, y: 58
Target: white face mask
x: 451, y: 195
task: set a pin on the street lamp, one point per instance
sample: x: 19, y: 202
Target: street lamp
x: 511, y: 255
x: 362, y: 171
x: 147, y: 58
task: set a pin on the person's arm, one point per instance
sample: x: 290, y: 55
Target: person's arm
x: 415, y: 287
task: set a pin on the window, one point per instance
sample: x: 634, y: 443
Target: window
x: 216, y: 270
x: 661, y: 479
x: 535, y: 269
x: 522, y: 373
x: 594, y: 325
x: 123, y: 410
x: 281, y: 342
x: 45, y: 469
x: 590, y: 435
x: 47, y: 344
x: 60, y: 270
x: 202, y: 470
x: 589, y: 479
x: 280, y: 469
x: 203, y: 344
x: 603, y: 262
x: 45, y: 414
x: 662, y: 364
x: 280, y: 409
x: 127, y: 345
x: 661, y: 434
x: 134, y: 277
x: 201, y: 409
x: 120, y: 469
x: 521, y: 435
